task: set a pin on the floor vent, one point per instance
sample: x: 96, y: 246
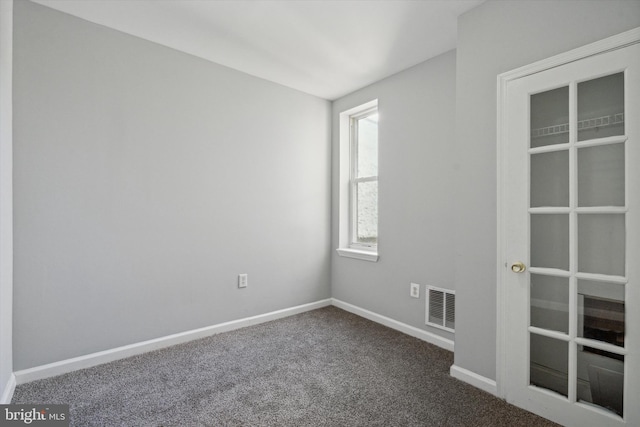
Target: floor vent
x: 441, y: 308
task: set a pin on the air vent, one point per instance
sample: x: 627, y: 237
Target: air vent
x: 441, y: 308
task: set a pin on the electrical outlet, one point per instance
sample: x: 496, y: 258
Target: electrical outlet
x: 243, y: 279
x: 415, y: 290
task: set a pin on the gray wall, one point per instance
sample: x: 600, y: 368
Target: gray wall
x: 6, y: 196
x: 416, y: 137
x: 145, y: 181
x: 493, y: 38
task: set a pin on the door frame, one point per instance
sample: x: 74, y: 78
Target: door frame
x: 619, y: 41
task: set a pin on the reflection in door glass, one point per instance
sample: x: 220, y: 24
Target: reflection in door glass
x: 600, y: 379
x: 601, y: 311
x: 601, y: 107
x: 550, y: 117
x: 549, y: 363
x: 550, y: 302
x: 601, y: 176
x: 601, y: 244
x: 550, y: 241
x: 550, y: 179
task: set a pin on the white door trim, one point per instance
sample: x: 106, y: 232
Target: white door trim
x: 6, y: 199
x: 611, y: 43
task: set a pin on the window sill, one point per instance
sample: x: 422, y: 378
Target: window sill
x: 358, y: 254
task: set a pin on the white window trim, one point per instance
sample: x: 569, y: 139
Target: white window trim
x: 354, y: 180
x: 358, y: 254
x: 346, y: 247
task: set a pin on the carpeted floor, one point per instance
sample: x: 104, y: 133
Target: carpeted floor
x: 326, y: 367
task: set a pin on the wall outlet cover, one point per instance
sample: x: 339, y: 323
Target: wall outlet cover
x: 243, y: 280
x: 415, y: 290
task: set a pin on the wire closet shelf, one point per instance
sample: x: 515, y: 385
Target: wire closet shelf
x: 597, y: 122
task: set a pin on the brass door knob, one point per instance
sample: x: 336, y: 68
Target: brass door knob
x: 518, y: 267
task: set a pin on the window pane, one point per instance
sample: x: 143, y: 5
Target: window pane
x: 601, y: 107
x: 549, y: 302
x: 550, y: 241
x: 549, y: 363
x: 601, y: 311
x: 367, y: 212
x: 601, y: 378
x: 601, y: 244
x: 550, y: 117
x: 367, y: 157
x: 601, y: 175
x: 550, y: 179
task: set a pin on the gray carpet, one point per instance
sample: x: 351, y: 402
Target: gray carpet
x: 326, y: 367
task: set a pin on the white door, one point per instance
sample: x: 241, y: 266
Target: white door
x: 571, y: 278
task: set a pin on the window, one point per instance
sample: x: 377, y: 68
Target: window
x: 359, y: 182
x: 364, y: 180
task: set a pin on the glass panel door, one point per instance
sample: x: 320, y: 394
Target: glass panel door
x: 569, y: 236
x: 577, y: 242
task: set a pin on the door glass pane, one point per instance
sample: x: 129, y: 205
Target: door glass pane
x: 550, y: 117
x: 550, y: 241
x: 550, y: 179
x: 601, y: 311
x: 550, y: 302
x: 601, y: 175
x: 367, y: 212
x: 601, y: 242
x: 601, y: 107
x: 549, y: 363
x: 600, y: 379
x: 367, y: 157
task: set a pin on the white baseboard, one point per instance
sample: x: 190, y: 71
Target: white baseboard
x: 474, y: 379
x: 94, y: 359
x: 429, y: 337
x: 7, y: 393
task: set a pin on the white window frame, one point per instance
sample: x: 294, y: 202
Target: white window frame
x: 355, y: 180
x: 347, y: 246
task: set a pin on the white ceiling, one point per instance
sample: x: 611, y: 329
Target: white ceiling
x: 327, y: 48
